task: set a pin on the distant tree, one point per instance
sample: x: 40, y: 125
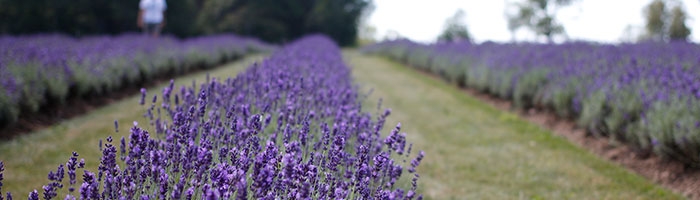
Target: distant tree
x: 215, y: 16
x: 270, y: 20
x: 366, y: 32
x: 631, y: 33
x: 678, y: 30
x: 75, y: 17
x: 283, y: 20
x: 537, y: 15
x: 455, y: 29
x: 655, y: 14
x: 663, y: 24
x: 393, y: 35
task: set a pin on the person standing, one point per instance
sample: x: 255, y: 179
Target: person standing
x: 151, y: 16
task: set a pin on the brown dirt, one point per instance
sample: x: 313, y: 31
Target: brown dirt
x: 669, y: 173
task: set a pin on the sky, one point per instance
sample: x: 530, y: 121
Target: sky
x: 589, y: 20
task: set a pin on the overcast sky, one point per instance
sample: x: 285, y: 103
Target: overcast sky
x: 591, y: 20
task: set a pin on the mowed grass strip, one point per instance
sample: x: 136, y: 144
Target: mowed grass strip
x: 29, y: 158
x: 475, y: 151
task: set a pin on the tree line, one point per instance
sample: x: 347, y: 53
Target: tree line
x: 664, y: 21
x: 270, y: 20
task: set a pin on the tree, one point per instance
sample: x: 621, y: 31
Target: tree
x: 631, y: 33
x: 270, y: 20
x: 678, y: 30
x: 655, y: 14
x: 284, y: 20
x: 75, y: 17
x: 367, y: 32
x: 455, y: 29
x: 663, y: 24
x: 537, y: 15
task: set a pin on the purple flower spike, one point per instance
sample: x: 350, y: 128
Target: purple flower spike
x: 2, y: 169
x: 143, y: 96
x: 33, y: 195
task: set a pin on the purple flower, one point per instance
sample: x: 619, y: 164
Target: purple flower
x: 416, y: 162
x: 89, y: 188
x: 143, y: 96
x: 2, y: 169
x: 264, y: 134
x: 33, y: 195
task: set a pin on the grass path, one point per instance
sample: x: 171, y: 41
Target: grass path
x: 29, y: 158
x: 475, y: 151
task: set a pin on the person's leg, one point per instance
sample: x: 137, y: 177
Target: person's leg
x: 156, y: 30
x: 153, y: 29
x: 148, y: 29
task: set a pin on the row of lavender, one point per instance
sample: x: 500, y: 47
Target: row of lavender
x: 291, y: 127
x: 646, y: 94
x: 48, y: 69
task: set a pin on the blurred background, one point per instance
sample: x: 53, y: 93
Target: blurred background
x: 270, y: 20
x: 346, y: 21
x: 531, y: 20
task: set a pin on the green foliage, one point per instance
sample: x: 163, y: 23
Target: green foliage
x: 8, y: 113
x: 280, y: 21
x: 478, y: 77
x: 270, y: 20
x: 76, y: 17
x: 562, y: 100
x: 180, y: 17
x: 528, y: 86
x: 502, y: 84
x: 628, y: 106
x: 663, y: 24
x: 31, y: 87
x: 655, y: 14
x: 674, y: 130
x: 677, y: 29
x: 537, y: 15
x: 420, y: 58
x: 455, y: 69
x: 593, y: 111
x: 455, y: 29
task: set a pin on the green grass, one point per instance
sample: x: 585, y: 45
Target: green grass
x: 29, y: 158
x: 475, y: 151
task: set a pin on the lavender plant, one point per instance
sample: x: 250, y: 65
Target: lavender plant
x: 39, y: 70
x: 291, y: 127
x: 646, y: 94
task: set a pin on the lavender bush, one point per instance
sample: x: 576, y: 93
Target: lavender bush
x: 48, y: 69
x: 291, y: 127
x: 646, y: 94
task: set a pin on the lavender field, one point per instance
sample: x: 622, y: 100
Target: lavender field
x: 305, y: 123
x: 292, y: 132
x: 644, y: 94
x: 40, y: 71
x: 350, y: 99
